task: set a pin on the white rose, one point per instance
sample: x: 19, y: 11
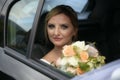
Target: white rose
x: 81, y: 45
x: 64, y: 61
x: 73, y: 61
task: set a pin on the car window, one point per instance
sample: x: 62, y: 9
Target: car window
x: 20, y: 21
x: 40, y: 48
x: 78, y: 6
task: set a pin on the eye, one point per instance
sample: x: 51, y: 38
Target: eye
x: 63, y: 26
x: 51, y: 26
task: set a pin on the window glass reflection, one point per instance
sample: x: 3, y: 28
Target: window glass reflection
x: 20, y: 22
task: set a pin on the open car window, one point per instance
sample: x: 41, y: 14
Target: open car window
x: 81, y: 9
x: 79, y: 6
x: 40, y: 48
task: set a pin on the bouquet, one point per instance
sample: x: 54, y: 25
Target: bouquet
x: 79, y: 58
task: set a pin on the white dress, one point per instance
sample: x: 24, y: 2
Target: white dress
x: 45, y: 61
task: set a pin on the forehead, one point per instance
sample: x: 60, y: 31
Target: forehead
x: 60, y: 17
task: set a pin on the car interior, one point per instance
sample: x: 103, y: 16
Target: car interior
x: 113, y: 30
x: 100, y: 26
x: 4, y: 76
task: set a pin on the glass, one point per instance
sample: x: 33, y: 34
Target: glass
x: 19, y: 25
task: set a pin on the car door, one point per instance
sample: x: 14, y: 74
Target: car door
x: 2, y: 2
x: 18, y: 17
x: 19, y: 22
x: 20, y: 51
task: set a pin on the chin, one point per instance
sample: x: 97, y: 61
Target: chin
x: 59, y: 44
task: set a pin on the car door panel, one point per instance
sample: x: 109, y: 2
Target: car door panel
x: 17, y: 69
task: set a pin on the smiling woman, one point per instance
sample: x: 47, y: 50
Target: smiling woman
x: 61, y: 26
x: 80, y: 10
x: 66, y: 54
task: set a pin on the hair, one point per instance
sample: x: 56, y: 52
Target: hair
x: 66, y: 10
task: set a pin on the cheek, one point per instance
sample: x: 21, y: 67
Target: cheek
x: 69, y: 34
x: 49, y: 32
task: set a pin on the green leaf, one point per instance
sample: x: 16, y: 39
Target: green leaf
x: 84, y: 66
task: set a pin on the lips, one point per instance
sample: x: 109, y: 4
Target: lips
x: 57, y: 39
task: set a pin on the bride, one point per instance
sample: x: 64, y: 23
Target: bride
x: 61, y: 27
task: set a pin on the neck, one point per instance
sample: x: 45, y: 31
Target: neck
x: 57, y: 49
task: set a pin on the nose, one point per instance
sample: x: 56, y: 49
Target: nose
x: 57, y: 31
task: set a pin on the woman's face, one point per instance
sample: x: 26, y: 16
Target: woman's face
x: 60, y: 30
